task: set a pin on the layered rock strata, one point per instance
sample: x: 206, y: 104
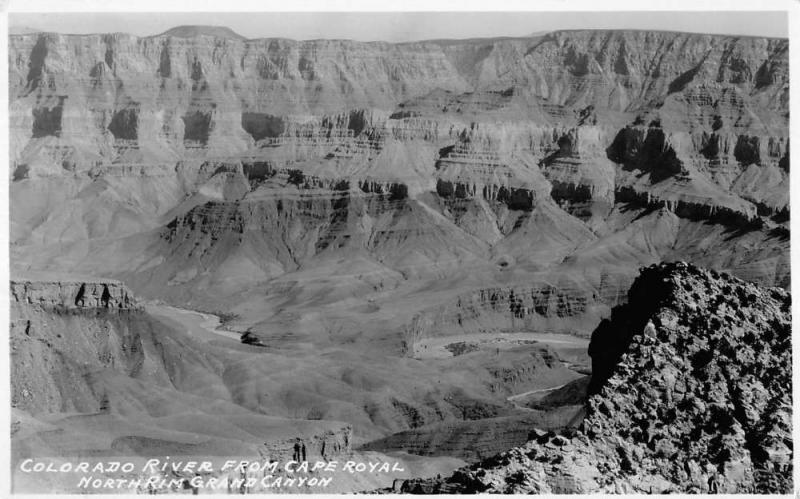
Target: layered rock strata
x: 690, y: 392
x: 85, y: 354
x: 73, y: 295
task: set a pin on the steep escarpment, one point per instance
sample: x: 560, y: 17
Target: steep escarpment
x: 74, y: 295
x: 94, y: 373
x: 124, y: 98
x: 127, y: 134
x: 550, y: 167
x: 691, y: 392
x: 561, y: 305
x: 375, y: 215
x: 61, y: 331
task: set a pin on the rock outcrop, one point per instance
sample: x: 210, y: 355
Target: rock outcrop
x: 87, y: 354
x: 484, y: 146
x: 690, y: 392
x: 95, y: 100
x: 74, y: 294
x: 61, y: 331
x: 349, y: 201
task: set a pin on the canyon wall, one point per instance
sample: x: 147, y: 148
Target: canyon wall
x: 218, y: 164
x: 61, y: 331
x: 690, y: 393
x: 88, y: 359
x: 73, y: 295
x: 343, y: 201
x: 85, y: 103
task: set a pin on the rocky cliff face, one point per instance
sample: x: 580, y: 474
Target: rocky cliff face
x: 73, y: 295
x: 690, y: 392
x: 528, y: 154
x: 57, y: 327
x: 347, y: 200
x: 107, y: 378
x: 81, y: 102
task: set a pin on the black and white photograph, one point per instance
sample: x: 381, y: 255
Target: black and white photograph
x: 398, y: 251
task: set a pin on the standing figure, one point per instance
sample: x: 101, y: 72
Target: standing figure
x: 296, y: 454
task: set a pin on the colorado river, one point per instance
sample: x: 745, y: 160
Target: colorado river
x: 521, y: 396
x: 199, y: 324
x: 514, y: 398
x: 436, y: 347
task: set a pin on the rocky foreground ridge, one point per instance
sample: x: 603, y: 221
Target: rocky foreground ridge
x: 691, y: 394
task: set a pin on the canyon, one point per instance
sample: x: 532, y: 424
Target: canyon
x: 402, y: 234
x: 690, y: 394
x: 121, y: 380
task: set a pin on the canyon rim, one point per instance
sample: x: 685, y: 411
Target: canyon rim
x: 555, y: 262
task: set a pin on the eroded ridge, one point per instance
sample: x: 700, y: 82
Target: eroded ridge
x: 691, y: 393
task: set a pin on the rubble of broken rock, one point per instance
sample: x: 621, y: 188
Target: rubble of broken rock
x: 691, y: 393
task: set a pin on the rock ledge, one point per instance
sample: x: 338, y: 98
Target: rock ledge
x: 691, y: 393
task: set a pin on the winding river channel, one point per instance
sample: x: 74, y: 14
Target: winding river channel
x: 200, y: 324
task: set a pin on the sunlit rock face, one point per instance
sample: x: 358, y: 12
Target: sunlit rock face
x: 562, y: 161
x: 88, y: 347
x: 690, y: 393
x: 370, y: 214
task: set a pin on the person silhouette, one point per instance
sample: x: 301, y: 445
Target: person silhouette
x: 296, y: 454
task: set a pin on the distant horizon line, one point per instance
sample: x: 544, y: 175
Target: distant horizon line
x: 34, y: 31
